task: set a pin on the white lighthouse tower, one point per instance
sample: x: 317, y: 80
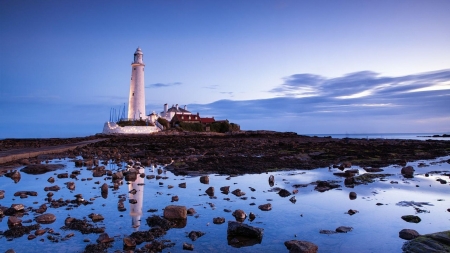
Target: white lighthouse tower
x: 136, y: 101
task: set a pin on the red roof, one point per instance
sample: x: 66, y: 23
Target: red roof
x: 207, y: 120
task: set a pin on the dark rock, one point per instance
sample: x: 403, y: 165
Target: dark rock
x: 81, y: 225
x: 238, y: 193
x: 70, y: 186
x: 265, y: 207
x: 343, y: 229
x: 373, y: 169
x: 239, y: 234
x: 204, y: 179
x: 14, y: 221
x: 129, y: 243
x: 51, y: 180
x: 47, y: 218
x: 52, y: 188
x: 96, y: 217
x: 194, y: 235
x: 436, y: 242
x: 219, y: 220
x: 352, y: 195
x: 37, y: 169
x: 187, y: 246
x: 63, y: 175
x: 191, y: 211
x: 104, y: 188
x: 323, y: 186
x: 182, y: 185
x: 408, y: 172
x: 295, y: 246
x: 157, y: 221
x: 175, y: 212
x: 408, y: 234
x: 411, y: 218
x: 251, y: 216
x: 210, y: 191
x: 175, y: 198
x: 239, y: 215
x: 293, y: 199
x: 2, y: 194
x: 271, y: 180
x: 104, y: 238
x: 351, y: 211
x: 284, y: 193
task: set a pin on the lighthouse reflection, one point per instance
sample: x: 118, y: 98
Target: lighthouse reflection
x: 136, y: 198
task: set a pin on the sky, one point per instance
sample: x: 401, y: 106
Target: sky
x: 311, y: 67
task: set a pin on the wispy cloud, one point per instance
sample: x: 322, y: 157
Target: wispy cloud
x: 211, y: 87
x: 162, y: 85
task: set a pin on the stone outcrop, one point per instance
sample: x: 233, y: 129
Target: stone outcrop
x: 408, y: 234
x: 295, y: 246
x: 175, y: 212
x: 435, y: 242
x: 239, y: 234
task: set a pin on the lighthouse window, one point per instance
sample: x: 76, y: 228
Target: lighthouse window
x: 134, y: 68
x: 133, y: 93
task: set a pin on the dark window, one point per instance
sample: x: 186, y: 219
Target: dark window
x: 134, y: 68
x: 133, y: 94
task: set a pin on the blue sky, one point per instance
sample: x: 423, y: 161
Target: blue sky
x: 304, y: 66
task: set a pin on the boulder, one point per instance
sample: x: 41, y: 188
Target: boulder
x: 239, y: 234
x: 182, y: 185
x: 175, y: 212
x: 46, y: 218
x: 238, y: 193
x: 194, y: 235
x: 284, y: 193
x: 175, y: 198
x: 219, y: 220
x: 204, y: 179
x: 104, y: 188
x: 251, y: 216
x: 352, y: 195
x: 51, y: 180
x: 408, y: 234
x: 129, y: 243
x: 14, y: 221
x: 436, y: 242
x: 411, y: 218
x: 408, y: 172
x: 265, y: 207
x: 225, y: 189
x: 37, y: 169
x: 295, y: 246
x: 210, y: 191
x: 240, y: 215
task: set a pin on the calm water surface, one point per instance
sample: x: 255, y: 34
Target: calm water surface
x: 375, y: 228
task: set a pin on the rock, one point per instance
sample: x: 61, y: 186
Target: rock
x: 204, y: 179
x: 37, y: 169
x: 96, y: 217
x: 373, y: 169
x: 293, y: 199
x: 63, y: 175
x: 46, y: 218
x: 104, y: 238
x: 238, y: 193
x: 42, y: 208
x: 121, y: 207
x: 18, y: 207
x: 210, y: 191
x: 265, y: 207
x: 52, y: 188
x: 408, y: 234
x: 219, y: 220
x: 175, y: 212
x: 343, y: 229
x: 352, y: 195
x: 284, y: 193
x: 349, y: 181
x: 175, y: 198
x: 2, y: 194
x: 187, y: 246
x: 271, y: 180
x: 351, y: 211
x: 237, y: 231
x: 14, y: 221
x: 104, y: 188
x: 408, y: 172
x: 10, y: 251
x: 70, y: 185
x: 182, y: 185
x: 191, y: 211
x: 194, y: 235
x: 39, y: 232
x: 436, y: 242
x: 411, y: 218
x: 51, y: 180
x: 295, y: 246
x: 251, y: 216
x: 78, y: 163
x: 323, y: 186
x: 129, y: 243
x: 225, y: 189
x: 240, y: 215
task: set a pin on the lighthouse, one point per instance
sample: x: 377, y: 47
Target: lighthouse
x: 136, y: 101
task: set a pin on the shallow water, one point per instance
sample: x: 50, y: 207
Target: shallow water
x: 375, y: 228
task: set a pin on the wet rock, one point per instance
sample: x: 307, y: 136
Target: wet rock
x: 373, y: 169
x: 284, y: 193
x: 52, y: 188
x: 204, y: 179
x: 194, y: 235
x: 78, y: 163
x: 14, y: 221
x: 42, y: 208
x: 39, y: 232
x: 210, y: 191
x: 408, y: 172
x: 121, y: 206
x: 130, y: 175
x: 191, y: 211
x: 156, y: 221
x: 31, y: 237
x: 408, y: 234
x: 295, y: 246
x: 271, y: 180
x: 96, y: 217
x: 327, y: 232
x: 70, y: 186
x: 239, y: 234
x: 265, y: 207
x: 175, y: 212
x: 251, y: 216
x: 343, y: 229
x: 225, y: 189
x: 134, y: 201
x: 27, y: 193
x: 14, y: 175
x: 219, y: 220
x: 81, y: 225
x: 411, y: 218
x: 47, y: 218
x: 2, y: 194
x: 51, y: 180
x: 104, y: 238
x: 238, y: 193
x: 19, y: 231
x: 17, y: 207
x: 323, y: 186
x: 182, y: 185
x: 187, y: 246
x: 352, y: 195
x: 442, y: 181
x: 10, y: 251
x: 351, y: 173
x: 352, y: 212
x: 63, y: 175
x: 175, y: 198
x: 239, y: 215
x: 436, y: 242
x: 349, y: 181
x: 293, y: 199
x: 129, y: 243
x: 37, y: 169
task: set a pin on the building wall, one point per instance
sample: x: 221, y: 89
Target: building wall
x: 113, y: 128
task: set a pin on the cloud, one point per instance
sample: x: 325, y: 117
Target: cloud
x: 360, y: 102
x: 162, y: 85
x: 229, y: 93
x: 211, y: 87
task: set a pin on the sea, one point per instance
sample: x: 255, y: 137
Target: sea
x: 403, y: 136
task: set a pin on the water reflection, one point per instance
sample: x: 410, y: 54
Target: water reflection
x: 136, y: 199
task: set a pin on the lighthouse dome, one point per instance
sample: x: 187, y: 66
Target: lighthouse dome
x: 138, y: 51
